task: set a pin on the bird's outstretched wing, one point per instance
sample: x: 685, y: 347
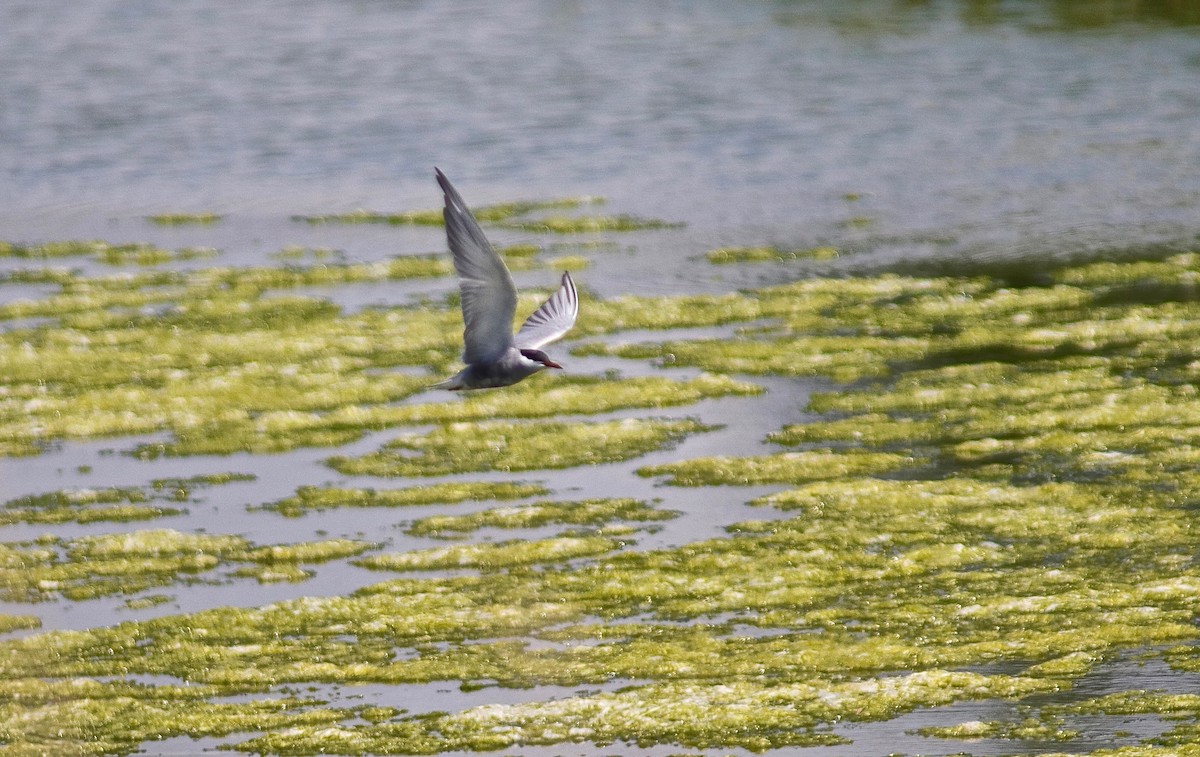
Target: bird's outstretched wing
x: 489, y: 298
x: 553, y: 319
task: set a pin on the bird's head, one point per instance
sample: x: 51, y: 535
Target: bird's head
x: 538, y: 356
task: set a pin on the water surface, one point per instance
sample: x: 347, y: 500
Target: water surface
x: 899, y: 134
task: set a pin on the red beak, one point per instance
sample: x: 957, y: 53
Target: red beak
x: 551, y: 364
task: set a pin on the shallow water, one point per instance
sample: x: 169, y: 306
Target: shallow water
x: 1040, y: 125
x: 944, y: 132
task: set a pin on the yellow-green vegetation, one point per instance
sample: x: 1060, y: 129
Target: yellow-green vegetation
x: 786, y: 467
x: 117, y: 504
x: 84, y: 506
x: 281, y: 562
x: 183, y: 219
x: 726, y: 255
x: 104, y: 252
x: 997, y: 503
x: 714, y: 686
x: 66, y: 249
x: 219, y: 292
x: 207, y: 366
x: 560, y: 224
x: 493, y: 556
x: 524, y: 250
x: 310, y: 498
x: 1030, y: 729
x: 10, y: 623
x: 878, y: 577
x: 495, y: 213
x: 282, y: 430
x: 126, y: 563
x: 592, y: 512
x: 307, y: 552
x: 873, y: 327
x: 572, y: 395
x: 524, y: 215
x: 842, y: 329
x: 223, y: 363
x: 147, y: 601
x: 747, y: 715
x: 568, y: 263
x: 293, y: 253
x: 121, y: 716
x: 1180, y: 710
x: 497, y: 445
x: 147, y: 255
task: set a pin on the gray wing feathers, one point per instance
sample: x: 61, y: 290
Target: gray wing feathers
x: 553, y: 319
x: 489, y: 298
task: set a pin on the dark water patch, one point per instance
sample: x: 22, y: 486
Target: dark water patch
x: 1036, y: 267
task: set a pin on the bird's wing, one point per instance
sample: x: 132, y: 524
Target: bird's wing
x: 489, y: 298
x: 553, y: 319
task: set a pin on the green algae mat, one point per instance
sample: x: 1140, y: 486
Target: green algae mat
x: 962, y: 495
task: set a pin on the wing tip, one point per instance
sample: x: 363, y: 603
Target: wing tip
x: 569, y: 284
x: 442, y: 181
x: 456, y: 206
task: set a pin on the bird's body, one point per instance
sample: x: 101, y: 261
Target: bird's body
x: 509, y: 369
x: 494, y: 356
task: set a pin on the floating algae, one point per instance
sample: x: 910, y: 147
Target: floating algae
x: 728, y: 255
x: 493, y: 556
x: 183, y: 219
x: 226, y: 368
x: 282, y: 430
x: 559, y: 224
x: 786, y: 467
x: 84, y: 506
x: 70, y: 248
x: 526, y: 216
x: 752, y: 716
x: 116, y: 504
x: 1030, y: 729
x: 484, y: 213
x: 197, y: 371
x: 568, y: 263
x: 150, y: 256
x: 135, y: 253
x: 312, y: 498
x: 147, y: 601
x: 573, y: 396
x: 588, y: 512
x: 1008, y: 486
x: 88, y: 567
x: 496, y: 445
x: 10, y: 623
x: 116, y: 718
x: 945, y: 589
x: 280, y: 562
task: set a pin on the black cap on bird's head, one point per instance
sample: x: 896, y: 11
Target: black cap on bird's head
x: 540, y: 357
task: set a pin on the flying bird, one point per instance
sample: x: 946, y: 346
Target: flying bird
x: 493, y: 354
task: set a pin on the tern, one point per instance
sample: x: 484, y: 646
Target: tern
x: 494, y: 355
